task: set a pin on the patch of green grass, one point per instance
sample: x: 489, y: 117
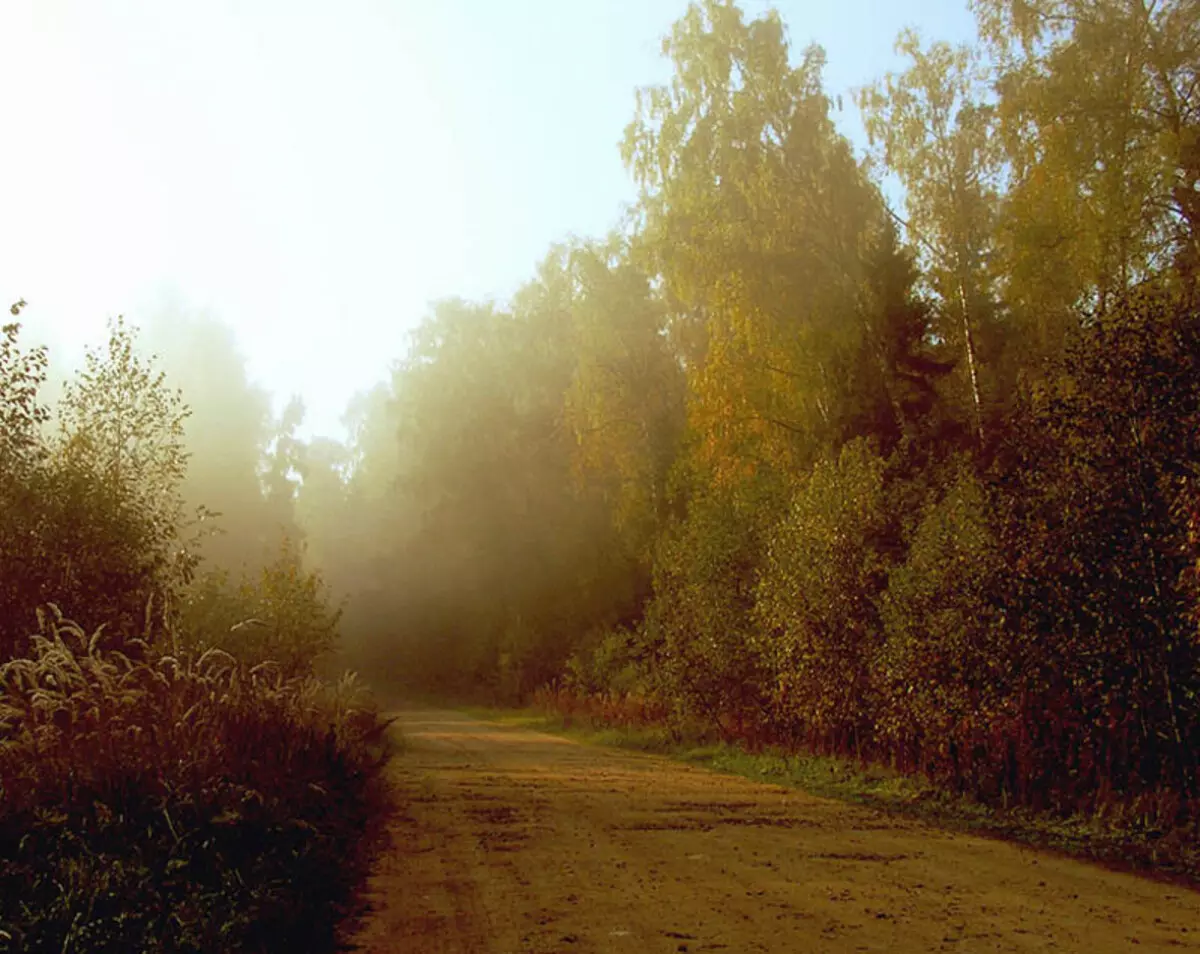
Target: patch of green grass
x: 1122, y: 844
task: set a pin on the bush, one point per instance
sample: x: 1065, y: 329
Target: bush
x: 92, y: 517
x: 613, y: 661
x: 945, y: 668
x: 698, y: 627
x: 816, y: 600
x: 186, y: 802
x: 283, y: 614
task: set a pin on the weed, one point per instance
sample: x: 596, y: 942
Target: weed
x: 186, y: 802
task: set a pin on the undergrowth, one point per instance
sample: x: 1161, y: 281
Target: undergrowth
x: 180, y: 802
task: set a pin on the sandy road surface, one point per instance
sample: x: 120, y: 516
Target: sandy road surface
x: 514, y: 841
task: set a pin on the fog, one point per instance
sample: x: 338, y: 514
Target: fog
x: 733, y: 379
x: 315, y: 177
x: 278, y: 195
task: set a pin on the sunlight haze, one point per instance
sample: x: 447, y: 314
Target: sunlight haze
x: 317, y: 174
x: 613, y: 476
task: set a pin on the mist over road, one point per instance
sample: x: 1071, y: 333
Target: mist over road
x: 517, y: 841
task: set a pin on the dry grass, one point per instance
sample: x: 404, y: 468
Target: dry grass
x: 188, y: 802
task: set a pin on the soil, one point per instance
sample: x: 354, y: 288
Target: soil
x: 515, y: 841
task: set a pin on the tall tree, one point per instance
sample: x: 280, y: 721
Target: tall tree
x: 24, y: 457
x: 117, y: 540
x: 227, y: 434
x: 625, y: 401
x: 1100, y: 119
x: 121, y: 412
x: 321, y: 500
x: 752, y: 208
x: 932, y: 127
x: 283, y: 468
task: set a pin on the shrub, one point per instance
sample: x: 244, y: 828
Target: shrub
x: 613, y: 661
x: 816, y: 600
x: 698, y: 626
x: 186, y: 802
x: 283, y: 614
x: 93, y: 517
x: 945, y: 666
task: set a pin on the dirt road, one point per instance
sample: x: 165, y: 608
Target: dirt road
x: 515, y: 841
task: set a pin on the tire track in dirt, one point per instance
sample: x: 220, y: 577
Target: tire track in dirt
x: 517, y: 841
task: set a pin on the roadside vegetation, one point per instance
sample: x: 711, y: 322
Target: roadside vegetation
x: 1124, y: 840
x: 907, y: 476
x: 173, y: 774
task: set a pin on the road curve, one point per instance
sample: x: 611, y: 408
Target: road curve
x: 515, y: 841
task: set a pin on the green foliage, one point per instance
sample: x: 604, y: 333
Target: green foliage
x: 23, y: 459
x: 120, y: 417
x: 1097, y: 116
x: 761, y: 226
x: 21, y: 414
x: 945, y: 664
x: 625, y: 402
x: 782, y: 462
x: 282, y: 614
x: 283, y: 467
x: 699, y: 626
x: 824, y: 567
x: 228, y: 434
x: 614, y: 662
x: 95, y: 518
x: 933, y: 128
x: 1097, y: 473
x: 202, y: 800
x: 499, y: 556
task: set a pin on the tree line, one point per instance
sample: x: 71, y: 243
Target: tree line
x: 915, y: 481
x: 912, y: 481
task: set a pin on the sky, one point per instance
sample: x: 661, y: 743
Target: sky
x: 316, y: 174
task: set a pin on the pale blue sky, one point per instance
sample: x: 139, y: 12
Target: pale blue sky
x: 317, y: 173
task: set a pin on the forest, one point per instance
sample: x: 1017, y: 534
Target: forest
x: 892, y: 456
x: 912, y: 481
